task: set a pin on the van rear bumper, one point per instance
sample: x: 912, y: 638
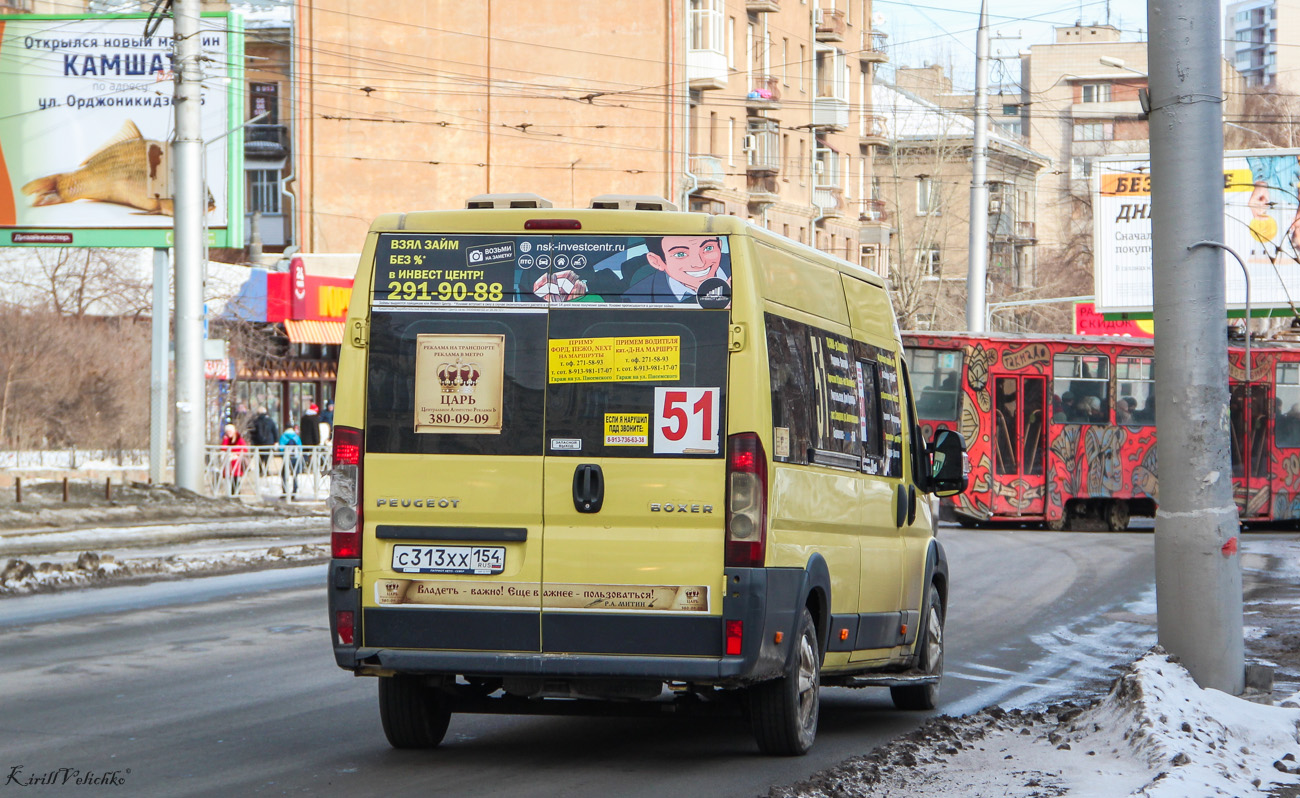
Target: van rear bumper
x: 670, y: 647
x: 593, y: 666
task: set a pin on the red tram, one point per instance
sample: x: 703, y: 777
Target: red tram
x: 1061, y: 429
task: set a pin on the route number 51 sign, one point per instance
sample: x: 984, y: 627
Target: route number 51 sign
x: 686, y: 420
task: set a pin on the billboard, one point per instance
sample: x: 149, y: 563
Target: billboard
x: 85, y: 119
x: 1261, y: 197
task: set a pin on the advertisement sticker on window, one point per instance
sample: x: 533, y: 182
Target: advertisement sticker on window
x: 458, y: 383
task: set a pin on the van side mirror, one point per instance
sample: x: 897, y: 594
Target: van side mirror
x: 947, y: 463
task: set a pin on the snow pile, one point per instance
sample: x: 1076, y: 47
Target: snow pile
x: 1199, y: 742
x: 1155, y: 734
x: 19, y: 577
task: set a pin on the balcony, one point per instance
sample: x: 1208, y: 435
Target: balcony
x: 873, y: 211
x: 1025, y: 231
x: 873, y: 46
x: 763, y: 189
x: 762, y: 6
x: 706, y: 60
x: 708, y: 172
x: 764, y: 93
x: 832, y: 24
x: 266, y: 142
x: 762, y: 147
x: 829, y: 201
x: 873, y: 129
x: 830, y: 112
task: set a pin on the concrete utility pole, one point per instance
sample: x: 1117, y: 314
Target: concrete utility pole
x: 190, y: 198
x: 1198, y: 567
x: 158, y: 369
x: 978, y: 248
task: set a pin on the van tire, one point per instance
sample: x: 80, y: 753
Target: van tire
x: 414, y: 714
x: 783, y: 712
x: 929, y: 659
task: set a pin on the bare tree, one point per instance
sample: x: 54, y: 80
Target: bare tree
x: 77, y: 282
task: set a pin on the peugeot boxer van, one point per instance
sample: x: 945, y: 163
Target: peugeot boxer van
x: 627, y: 456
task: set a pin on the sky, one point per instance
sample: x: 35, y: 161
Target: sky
x: 943, y: 31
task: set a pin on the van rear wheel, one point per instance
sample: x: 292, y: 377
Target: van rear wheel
x: 783, y: 712
x: 414, y: 714
x: 929, y: 660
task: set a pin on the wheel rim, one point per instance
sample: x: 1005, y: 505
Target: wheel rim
x: 807, y: 684
x: 934, y: 641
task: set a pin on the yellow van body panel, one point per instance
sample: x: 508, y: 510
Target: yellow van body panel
x: 844, y: 516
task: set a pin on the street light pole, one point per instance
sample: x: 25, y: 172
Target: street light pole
x: 978, y: 243
x: 190, y: 203
x: 1198, y: 564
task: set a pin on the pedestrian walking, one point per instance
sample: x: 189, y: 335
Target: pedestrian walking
x: 290, y: 449
x: 234, y: 450
x: 263, y: 436
x: 309, y: 426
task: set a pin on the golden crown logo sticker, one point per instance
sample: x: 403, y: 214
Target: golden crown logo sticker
x: 459, y: 383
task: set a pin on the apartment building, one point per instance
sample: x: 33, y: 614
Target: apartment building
x: 923, y: 176
x: 746, y: 107
x: 1081, y: 99
x: 1258, y: 41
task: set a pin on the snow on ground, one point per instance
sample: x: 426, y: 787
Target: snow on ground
x: 90, y: 568
x: 1155, y: 734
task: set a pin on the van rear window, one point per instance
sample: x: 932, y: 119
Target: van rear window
x: 572, y: 380
x: 432, y: 269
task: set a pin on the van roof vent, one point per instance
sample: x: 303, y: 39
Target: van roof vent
x: 631, y: 202
x: 508, y: 201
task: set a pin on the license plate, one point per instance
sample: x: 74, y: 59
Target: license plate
x: 449, y: 559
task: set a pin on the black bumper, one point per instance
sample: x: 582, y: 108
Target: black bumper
x: 555, y: 643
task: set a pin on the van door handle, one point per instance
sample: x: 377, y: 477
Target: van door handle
x: 588, y: 488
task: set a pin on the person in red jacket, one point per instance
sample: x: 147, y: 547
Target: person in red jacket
x: 234, y: 451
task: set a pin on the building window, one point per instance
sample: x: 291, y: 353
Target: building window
x: 1080, y: 168
x: 785, y: 62
x: 927, y: 197
x: 1095, y: 93
x: 832, y: 81
x: 706, y: 26
x: 264, y: 190
x: 1094, y: 131
x: 870, y: 259
x: 929, y: 261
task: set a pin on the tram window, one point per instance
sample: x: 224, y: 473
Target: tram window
x: 1007, y: 425
x: 1286, y: 407
x: 937, y: 378
x: 1136, y: 404
x: 1081, y: 389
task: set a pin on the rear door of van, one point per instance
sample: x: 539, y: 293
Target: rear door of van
x: 635, y: 473
x: 545, y: 442
x: 452, y: 471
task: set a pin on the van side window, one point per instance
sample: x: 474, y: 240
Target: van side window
x: 790, y: 365
x: 891, y: 414
x: 834, y: 399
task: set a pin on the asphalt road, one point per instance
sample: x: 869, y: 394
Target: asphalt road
x: 226, y: 686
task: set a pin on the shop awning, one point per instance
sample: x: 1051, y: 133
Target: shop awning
x: 314, y: 332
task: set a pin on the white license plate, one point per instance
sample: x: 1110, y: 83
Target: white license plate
x: 449, y: 559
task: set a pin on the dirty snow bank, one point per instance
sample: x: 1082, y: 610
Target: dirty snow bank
x: 1155, y: 734
x: 18, y: 577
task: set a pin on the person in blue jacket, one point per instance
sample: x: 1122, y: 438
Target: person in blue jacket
x: 290, y: 449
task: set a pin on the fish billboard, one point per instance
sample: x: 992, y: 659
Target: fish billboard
x: 86, y: 118
x: 1261, y: 217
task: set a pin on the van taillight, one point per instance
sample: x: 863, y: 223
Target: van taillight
x: 345, y: 494
x: 746, y: 501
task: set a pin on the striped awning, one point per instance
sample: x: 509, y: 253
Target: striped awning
x: 314, y: 332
